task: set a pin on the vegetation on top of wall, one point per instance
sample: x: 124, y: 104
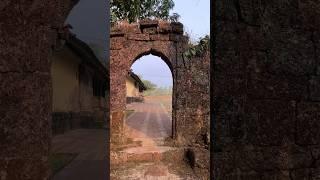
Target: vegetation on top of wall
x: 198, y: 49
x: 174, y: 17
x: 133, y: 10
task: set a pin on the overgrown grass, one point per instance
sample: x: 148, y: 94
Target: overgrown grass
x: 59, y: 160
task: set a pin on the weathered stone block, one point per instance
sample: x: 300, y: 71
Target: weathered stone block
x: 298, y: 174
x: 150, y: 30
x: 255, y: 61
x: 270, y: 122
x: 292, y: 52
x: 276, y: 43
x: 226, y: 10
x: 116, y: 33
x: 271, y: 158
x: 308, y: 123
x: 25, y: 110
x: 28, y: 169
x: 314, y: 88
x: 309, y: 12
x: 164, y: 28
x: 159, y: 37
x: 233, y: 85
x: 228, y: 62
x: 227, y: 36
x: 133, y: 28
x: 264, y: 85
x: 315, y: 172
x: 174, y: 37
x: 19, y: 46
x: 148, y: 23
x: 224, y: 165
x: 117, y: 127
x: 138, y: 37
x: 230, y: 113
x: 198, y: 159
x: 177, y: 27
x: 123, y: 27
x: 249, y: 11
x: 278, y: 13
x: 253, y: 39
x: 117, y: 43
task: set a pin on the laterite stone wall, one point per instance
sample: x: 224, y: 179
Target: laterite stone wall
x: 28, y: 30
x: 266, y: 89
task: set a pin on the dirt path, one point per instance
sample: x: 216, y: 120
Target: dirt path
x: 150, y: 124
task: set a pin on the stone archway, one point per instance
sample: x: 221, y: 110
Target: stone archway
x: 129, y: 42
x: 168, y: 62
x: 29, y: 29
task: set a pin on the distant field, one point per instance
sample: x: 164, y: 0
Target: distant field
x: 166, y: 100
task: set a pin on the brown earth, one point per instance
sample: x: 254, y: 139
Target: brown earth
x: 166, y: 100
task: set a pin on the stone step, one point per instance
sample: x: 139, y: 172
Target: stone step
x: 140, y: 154
x: 154, y: 141
x: 147, y: 171
x: 144, y: 157
x: 122, y: 157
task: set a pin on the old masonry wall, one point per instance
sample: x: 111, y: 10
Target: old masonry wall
x: 266, y: 89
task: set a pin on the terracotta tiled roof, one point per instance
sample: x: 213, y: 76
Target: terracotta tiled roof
x: 86, y: 53
x: 138, y: 80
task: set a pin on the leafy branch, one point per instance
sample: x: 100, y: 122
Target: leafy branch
x: 133, y: 10
x: 199, y: 49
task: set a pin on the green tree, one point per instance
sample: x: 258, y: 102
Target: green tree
x: 132, y: 10
x: 197, y: 50
x: 149, y: 85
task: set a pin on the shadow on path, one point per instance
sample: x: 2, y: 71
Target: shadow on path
x: 92, y: 159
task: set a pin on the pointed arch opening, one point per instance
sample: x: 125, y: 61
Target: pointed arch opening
x: 151, y: 101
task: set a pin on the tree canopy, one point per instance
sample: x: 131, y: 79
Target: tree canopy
x: 132, y: 10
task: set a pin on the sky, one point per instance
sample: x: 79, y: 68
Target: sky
x: 154, y: 69
x: 195, y: 16
x: 89, y: 19
x: 90, y: 23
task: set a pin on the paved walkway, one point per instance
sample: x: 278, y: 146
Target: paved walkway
x: 150, y: 124
x: 92, y: 160
x: 149, y: 120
